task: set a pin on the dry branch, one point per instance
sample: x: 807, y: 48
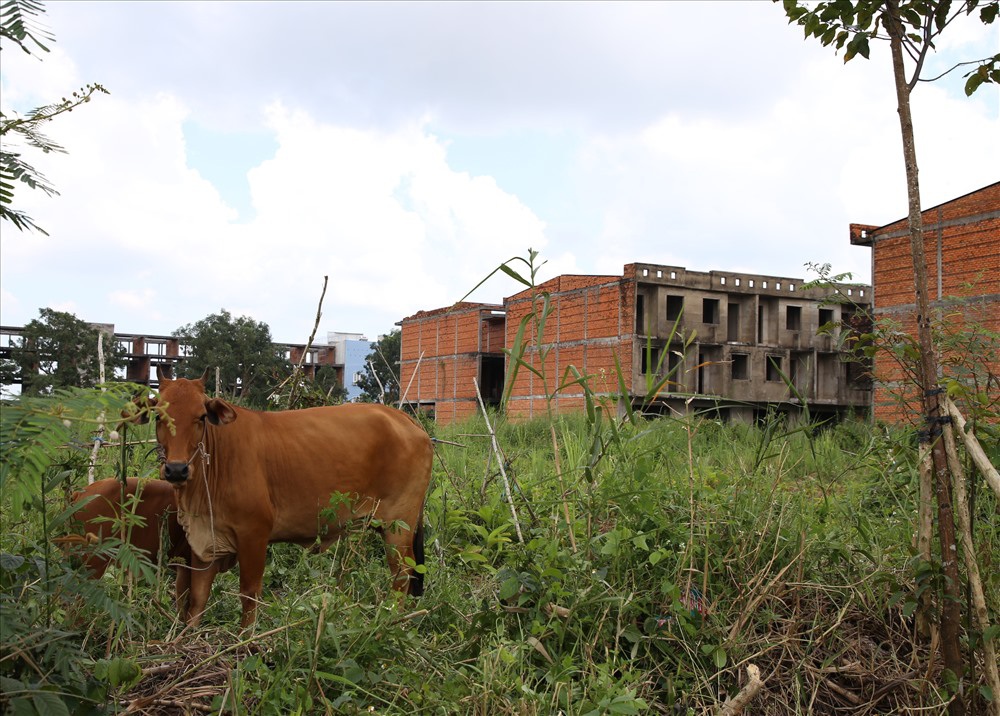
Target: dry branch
x: 302, y: 358
x: 503, y: 472
x: 416, y: 368
x: 735, y: 705
x: 381, y: 388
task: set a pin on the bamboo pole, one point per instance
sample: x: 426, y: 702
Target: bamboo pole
x: 976, y: 451
x: 980, y: 610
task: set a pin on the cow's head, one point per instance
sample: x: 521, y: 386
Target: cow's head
x: 182, y: 411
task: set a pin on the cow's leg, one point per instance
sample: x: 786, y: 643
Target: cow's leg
x: 399, y: 548
x: 201, y: 576
x: 251, y: 555
x: 182, y: 589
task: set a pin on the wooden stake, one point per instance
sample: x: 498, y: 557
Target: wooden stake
x: 925, y: 532
x: 503, y: 471
x: 100, y: 418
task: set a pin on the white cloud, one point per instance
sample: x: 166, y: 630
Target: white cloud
x: 134, y: 300
x: 382, y: 213
x: 10, y: 306
x: 770, y: 191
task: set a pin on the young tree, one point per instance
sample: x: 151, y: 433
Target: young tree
x: 911, y: 27
x: 58, y: 350
x: 249, y: 363
x: 19, y: 24
x: 381, y: 384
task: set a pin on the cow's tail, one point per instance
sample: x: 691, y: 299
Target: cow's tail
x: 417, y: 579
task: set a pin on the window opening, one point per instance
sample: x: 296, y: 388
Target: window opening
x: 734, y: 322
x: 740, y: 365
x: 710, y: 310
x: 773, y: 368
x: 793, y: 318
x: 675, y: 306
x: 825, y: 317
x: 673, y: 370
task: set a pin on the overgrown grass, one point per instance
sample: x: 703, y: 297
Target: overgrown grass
x: 646, y: 581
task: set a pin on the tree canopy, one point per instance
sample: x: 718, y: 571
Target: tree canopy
x: 249, y: 364
x: 58, y: 350
x: 381, y: 385
x: 852, y: 25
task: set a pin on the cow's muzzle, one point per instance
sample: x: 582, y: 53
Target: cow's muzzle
x: 175, y: 472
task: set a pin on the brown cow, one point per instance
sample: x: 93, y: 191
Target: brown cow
x: 157, y: 503
x: 247, y: 478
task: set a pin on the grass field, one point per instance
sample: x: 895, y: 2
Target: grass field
x: 657, y: 561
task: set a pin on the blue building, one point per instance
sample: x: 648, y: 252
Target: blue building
x: 350, y: 351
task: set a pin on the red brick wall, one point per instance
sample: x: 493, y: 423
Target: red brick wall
x: 439, y: 357
x: 590, y: 321
x: 493, y: 336
x: 963, y: 237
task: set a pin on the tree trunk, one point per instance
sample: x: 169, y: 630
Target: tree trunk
x: 950, y: 602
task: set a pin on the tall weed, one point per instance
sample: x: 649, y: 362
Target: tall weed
x: 46, y: 606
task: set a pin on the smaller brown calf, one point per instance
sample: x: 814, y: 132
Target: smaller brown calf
x: 101, y: 517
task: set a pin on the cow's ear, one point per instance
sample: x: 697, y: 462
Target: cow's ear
x: 165, y: 372
x: 138, y: 409
x: 219, y: 411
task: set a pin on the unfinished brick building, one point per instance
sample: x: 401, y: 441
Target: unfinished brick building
x: 962, y: 250
x: 731, y: 341
x: 442, y: 351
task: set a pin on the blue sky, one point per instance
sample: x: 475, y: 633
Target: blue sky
x: 406, y: 149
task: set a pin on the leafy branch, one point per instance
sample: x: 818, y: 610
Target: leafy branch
x: 14, y: 169
x: 851, y: 26
x: 18, y: 23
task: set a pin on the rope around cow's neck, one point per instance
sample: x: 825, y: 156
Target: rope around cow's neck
x: 206, y: 459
